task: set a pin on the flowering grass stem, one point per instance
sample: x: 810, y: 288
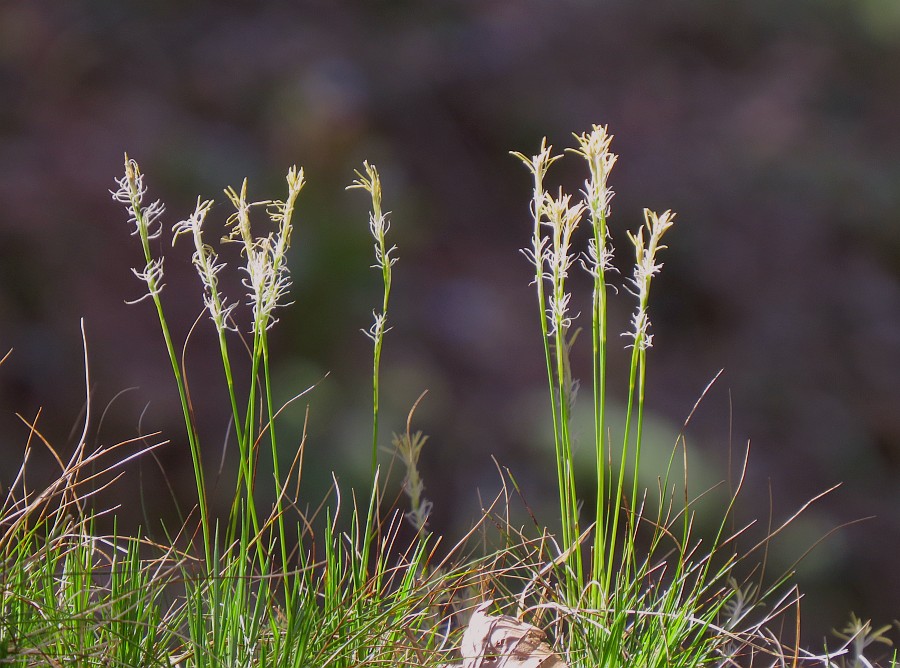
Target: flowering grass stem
x: 147, y: 226
x: 555, y: 220
x: 379, y: 225
x: 594, y: 147
x: 360, y: 597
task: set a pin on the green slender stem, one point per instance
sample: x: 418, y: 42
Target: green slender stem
x: 598, y: 346
x: 378, y: 226
x: 229, y: 380
x: 206, y: 262
x: 639, y: 429
x: 191, y: 430
x: 566, y: 463
x: 594, y: 146
x: 276, y: 469
x: 376, y: 400
x: 379, y: 338
x: 645, y: 268
x: 132, y: 185
x: 616, y: 506
x: 551, y: 257
x: 539, y: 166
x: 251, y: 447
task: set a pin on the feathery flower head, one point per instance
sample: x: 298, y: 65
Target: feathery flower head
x: 152, y: 275
x: 540, y: 163
x: 645, y: 268
x: 562, y: 219
x: 538, y: 166
x: 206, y: 262
x: 281, y: 212
x: 131, y: 193
x: 594, y: 148
x: 145, y: 219
x: 267, y: 279
x: 379, y: 223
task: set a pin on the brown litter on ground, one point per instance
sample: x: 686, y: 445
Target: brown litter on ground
x: 503, y: 641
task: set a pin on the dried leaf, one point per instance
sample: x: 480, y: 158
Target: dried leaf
x: 502, y: 641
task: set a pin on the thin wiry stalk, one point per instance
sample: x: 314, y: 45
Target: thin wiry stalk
x: 379, y: 225
x: 542, y: 255
x: 255, y: 257
x: 594, y: 148
x: 281, y: 214
x: 563, y: 219
x: 646, y: 267
x: 208, y: 268
x: 551, y: 256
x: 146, y: 223
x: 267, y: 281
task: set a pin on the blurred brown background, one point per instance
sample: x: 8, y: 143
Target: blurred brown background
x: 770, y: 127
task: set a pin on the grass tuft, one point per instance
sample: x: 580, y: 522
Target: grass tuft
x: 628, y: 581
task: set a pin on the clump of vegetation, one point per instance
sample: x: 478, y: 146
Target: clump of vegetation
x: 623, y: 583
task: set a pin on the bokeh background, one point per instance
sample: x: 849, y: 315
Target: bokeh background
x: 771, y: 127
